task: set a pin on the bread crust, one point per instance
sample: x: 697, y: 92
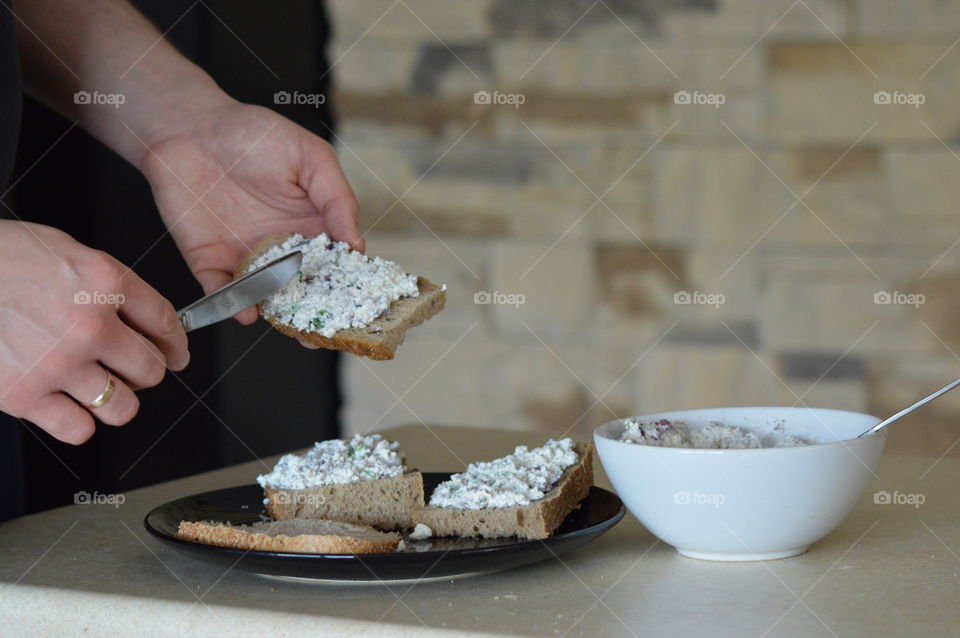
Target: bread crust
x: 237, y: 537
x: 535, y: 521
x: 377, y: 341
x: 386, y: 504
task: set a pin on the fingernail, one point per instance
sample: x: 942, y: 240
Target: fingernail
x: 184, y: 364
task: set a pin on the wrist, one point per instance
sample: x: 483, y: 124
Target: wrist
x: 181, y: 109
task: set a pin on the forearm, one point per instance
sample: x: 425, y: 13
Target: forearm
x: 109, y: 50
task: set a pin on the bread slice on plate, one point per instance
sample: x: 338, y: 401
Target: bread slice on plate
x: 362, y: 480
x: 301, y: 536
x: 537, y: 520
x: 377, y: 340
x: 386, y: 503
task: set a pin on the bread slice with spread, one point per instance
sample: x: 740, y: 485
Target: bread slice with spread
x: 363, y: 481
x: 300, y: 535
x: 342, y: 299
x: 527, y: 494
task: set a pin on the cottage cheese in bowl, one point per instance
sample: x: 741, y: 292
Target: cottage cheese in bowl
x: 715, y: 435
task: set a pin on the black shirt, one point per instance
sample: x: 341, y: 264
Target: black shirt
x: 10, y: 96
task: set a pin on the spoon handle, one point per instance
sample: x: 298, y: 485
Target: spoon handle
x: 923, y: 401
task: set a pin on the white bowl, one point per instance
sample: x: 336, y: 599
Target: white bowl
x: 736, y: 505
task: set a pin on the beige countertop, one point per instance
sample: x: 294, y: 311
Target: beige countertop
x: 887, y: 570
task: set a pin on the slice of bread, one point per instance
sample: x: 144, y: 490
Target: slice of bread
x: 380, y: 339
x: 299, y: 536
x: 537, y: 520
x: 387, y: 503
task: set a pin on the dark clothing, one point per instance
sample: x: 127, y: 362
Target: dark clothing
x: 249, y: 391
x: 11, y: 97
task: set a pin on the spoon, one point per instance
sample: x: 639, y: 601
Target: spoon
x: 923, y: 401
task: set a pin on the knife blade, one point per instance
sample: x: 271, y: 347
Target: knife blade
x: 241, y: 293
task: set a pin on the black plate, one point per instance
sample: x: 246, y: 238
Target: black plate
x: 434, y: 558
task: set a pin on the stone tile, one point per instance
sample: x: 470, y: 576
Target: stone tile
x: 573, y: 414
x: 743, y: 112
x: 457, y: 386
x: 437, y: 61
x: 714, y: 334
x: 924, y: 181
x: 461, y: 264
x: 519, y: 66
x: 717, y: 196
x: 580, y: 110
x: 402, y: 111
x: 849, y: 204
x: 602, y: 390
x: 916, y: 19
x: 629, y: 276
x: 731, y: 272
x: 829, y: 305
x: 627, y: 171
x: 747, y: 20
x: 510, y: 162
x: 374, y: 67
x: 896, y: 383
x: 823, y: 94
x: 488, y: 382
x: 464, y: 21
x: 558, y: 286
x: 615, y: 64
x: 820, y: 366
x: 939, y: 309
x: 679, y: 377
x: 527, y: 17
x: 834, y: 395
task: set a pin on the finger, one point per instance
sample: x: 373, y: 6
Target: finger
x: 134, y: 358
x: 62, y: 418
x: 328, y: 189
x: 89, y: 381
x: 213, y: 279
x: 341, y: 220
x: 308, y: 345
x: 149, y: 313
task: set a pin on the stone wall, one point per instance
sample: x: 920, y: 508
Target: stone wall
x: 698, y: 203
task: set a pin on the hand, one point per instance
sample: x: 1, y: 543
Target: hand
x: 254, y: 173
x: 68, y: 315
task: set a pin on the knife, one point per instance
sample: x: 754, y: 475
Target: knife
x: 241, y: 293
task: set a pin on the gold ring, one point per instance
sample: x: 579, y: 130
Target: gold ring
x: 105, y: 395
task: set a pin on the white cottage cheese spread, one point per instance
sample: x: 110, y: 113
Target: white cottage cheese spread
x: 337, y: 288
x: 421, y: 532
x: 336, y: 462
x: 511, y: 481
x: 665, y: 433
